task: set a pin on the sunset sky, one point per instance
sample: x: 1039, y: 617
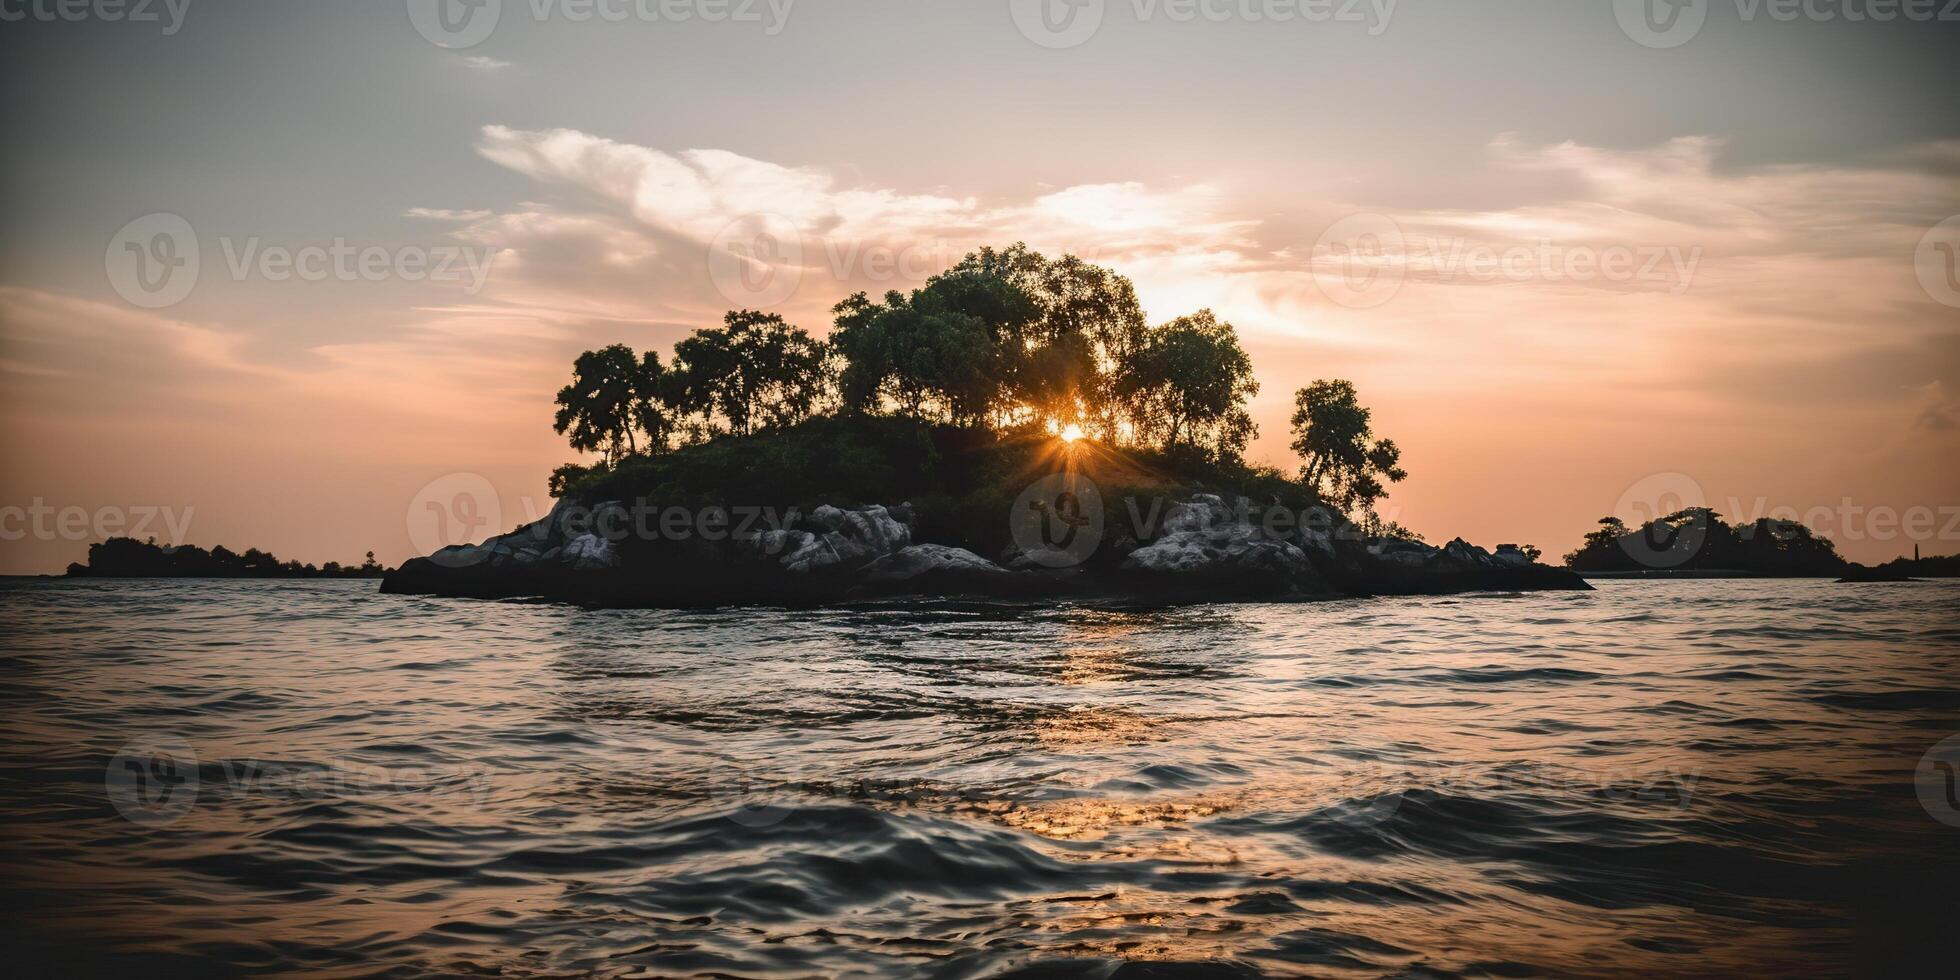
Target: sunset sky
x: 1778, y: 340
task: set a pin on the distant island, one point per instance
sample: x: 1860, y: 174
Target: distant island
x: 1014, y: 427
x: 1697, y: 543
x: 130, y: 558
x: 1697, y: 539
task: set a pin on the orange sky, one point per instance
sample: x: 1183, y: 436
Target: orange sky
x: 1786, y: 372
x: 1646, y: 274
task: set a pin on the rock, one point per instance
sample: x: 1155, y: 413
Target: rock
x: 928, y: 559
x: 1203, y: 541
x: 842, y: 539
x: 1413, y: 554
x: 1394, y: 567
x: 590, y: 552
x: 1464, y: 554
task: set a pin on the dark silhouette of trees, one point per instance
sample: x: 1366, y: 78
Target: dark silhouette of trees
x: 130, y: 558
x: 1345, y: 463
x: 1004, y: 339
x: 1697, y: 538
x: 597, y: 409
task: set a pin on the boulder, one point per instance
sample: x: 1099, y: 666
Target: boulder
x: 1203, y: 541
x: 839, y: 539
x: 922, y: 560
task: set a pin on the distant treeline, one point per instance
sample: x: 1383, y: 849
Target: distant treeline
x: 130, y: 558
x: 1698, y: 540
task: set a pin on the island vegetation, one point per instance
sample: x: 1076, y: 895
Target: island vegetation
x: 1697, y: 540
x: 130, y: 558
x: 906, y: 446
x: 954, y: 394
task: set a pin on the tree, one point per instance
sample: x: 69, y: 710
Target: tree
x: 652, y: 409
x: 928, y: 354
x: 1345, y: 464
x: 597, y: 409
x: 1188, y: 384
x: 1063, y: 339
x: 757, y: 372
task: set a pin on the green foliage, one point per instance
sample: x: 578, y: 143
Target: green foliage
x: 1084, y: 323
x: 977, y: 364
x: 925, y: 354
x: 1189, y: 384
x: 1345, y: 464
x: 757, y: 372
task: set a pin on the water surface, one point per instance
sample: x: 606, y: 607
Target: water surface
x: 1658, y: 777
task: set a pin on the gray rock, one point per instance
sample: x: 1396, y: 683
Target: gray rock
x: 1509, y: 556
x: 843, y: 539
x: 589, y: 552
x: 1204, y: 536
x: 928, y: 559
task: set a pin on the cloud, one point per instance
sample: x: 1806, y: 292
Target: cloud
x: 1802, y: 355
x: 446, y: 214
x: 484, y: 62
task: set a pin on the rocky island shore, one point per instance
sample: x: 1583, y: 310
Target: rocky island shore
x: 1204, y: 549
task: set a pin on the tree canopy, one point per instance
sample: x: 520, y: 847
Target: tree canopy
x: 1345, y: 463
x: 1005, y: 339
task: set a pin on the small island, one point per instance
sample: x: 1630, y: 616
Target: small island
x: 130, y: 558
x: 1013, y: 428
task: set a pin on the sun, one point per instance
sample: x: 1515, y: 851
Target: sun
x: 1071, y: 432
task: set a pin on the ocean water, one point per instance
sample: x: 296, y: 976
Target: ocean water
x: 1657, y: 778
